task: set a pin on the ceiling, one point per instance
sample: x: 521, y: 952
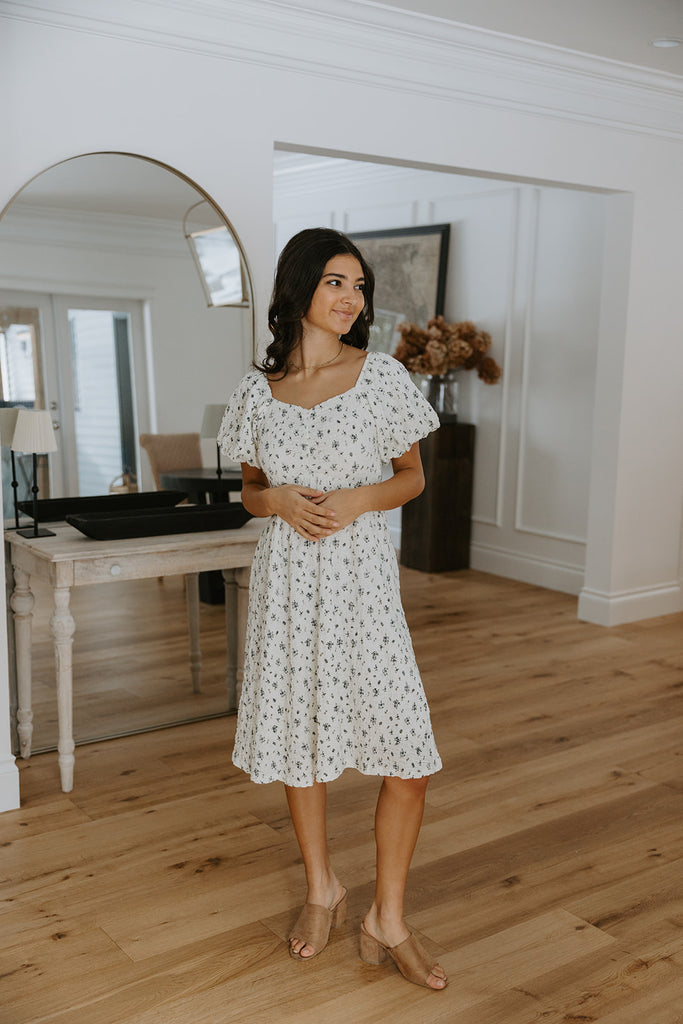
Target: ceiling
x: 621, y: 30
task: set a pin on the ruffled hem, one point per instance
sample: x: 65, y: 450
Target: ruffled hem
x: 264, y: 778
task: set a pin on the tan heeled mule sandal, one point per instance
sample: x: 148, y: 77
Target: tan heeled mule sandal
x: 313, y: 926
x: 412, y: 960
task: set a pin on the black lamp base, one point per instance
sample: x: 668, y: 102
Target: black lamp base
x: 36, y: 531
x: 40, y: 532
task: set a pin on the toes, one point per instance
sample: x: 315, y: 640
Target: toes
x: 299, y: 947
x: 435, y: 980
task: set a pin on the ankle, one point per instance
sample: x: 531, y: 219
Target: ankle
x: 385, y: 914
x: 386, y: 924
x: 324, y: 889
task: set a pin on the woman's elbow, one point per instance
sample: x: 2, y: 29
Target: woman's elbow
x: 419, y: 483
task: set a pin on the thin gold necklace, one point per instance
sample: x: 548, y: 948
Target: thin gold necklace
x: 317, y: 366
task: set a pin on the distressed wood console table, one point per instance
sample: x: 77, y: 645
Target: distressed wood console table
x: 70, y: 559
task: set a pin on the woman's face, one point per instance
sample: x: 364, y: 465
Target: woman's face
x: 339, y: 297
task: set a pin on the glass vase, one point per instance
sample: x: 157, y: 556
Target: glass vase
x: 441, y: 391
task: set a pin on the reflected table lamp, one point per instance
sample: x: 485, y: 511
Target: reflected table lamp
x: 8, y: 421
x: 213, y: 415
x: 33, y: 434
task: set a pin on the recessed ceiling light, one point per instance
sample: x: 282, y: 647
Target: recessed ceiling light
x: 663, y: 43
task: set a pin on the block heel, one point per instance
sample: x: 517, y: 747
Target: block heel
x: 371, y: 951
x: 338, y: 912
x: 411, y: 959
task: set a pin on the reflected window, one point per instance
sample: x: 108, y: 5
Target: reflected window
x: 217, y: 257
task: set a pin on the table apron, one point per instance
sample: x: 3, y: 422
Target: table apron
x: 142, y: 565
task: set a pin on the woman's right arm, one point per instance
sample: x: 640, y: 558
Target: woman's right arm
x: 290, y: 502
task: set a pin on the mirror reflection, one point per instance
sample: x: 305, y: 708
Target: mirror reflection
x: 107, y: 321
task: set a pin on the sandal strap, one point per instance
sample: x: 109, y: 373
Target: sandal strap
x: 412, y: 960
x: 313, y: 927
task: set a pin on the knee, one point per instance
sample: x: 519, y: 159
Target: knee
x: 407, y: 789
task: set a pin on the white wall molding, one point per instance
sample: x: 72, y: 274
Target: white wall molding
x: 384, y: 47
x: 9, y: 784
x: 506, y: 360
x: 78, y: 229
x: 95, y: 288
x: 541, y: 572
x: 300, y: 176
x: 624, y: 606
x: 530, y: 281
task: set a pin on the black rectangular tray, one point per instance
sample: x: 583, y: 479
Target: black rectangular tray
x: 51, y: 510
x: 157, y: 523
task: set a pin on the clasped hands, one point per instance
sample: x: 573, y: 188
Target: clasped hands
x: 315, y: 514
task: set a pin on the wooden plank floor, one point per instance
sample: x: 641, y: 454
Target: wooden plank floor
x: 548, y: 876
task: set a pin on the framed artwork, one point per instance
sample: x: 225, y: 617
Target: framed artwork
x: 410, y: 277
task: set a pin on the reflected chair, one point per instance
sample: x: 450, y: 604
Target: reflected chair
x: 171, y: 451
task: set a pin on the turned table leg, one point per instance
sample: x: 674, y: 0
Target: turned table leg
x: 62, y: 627
x: 22, y: 602
x: 231, y: 637
x: 192, y: 600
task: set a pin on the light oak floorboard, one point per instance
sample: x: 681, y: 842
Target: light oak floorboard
x: 546, y: 879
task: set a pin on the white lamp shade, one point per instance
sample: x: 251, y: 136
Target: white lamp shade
x: 8, y: 421
x: 33, y: 432
x: 213, y: 415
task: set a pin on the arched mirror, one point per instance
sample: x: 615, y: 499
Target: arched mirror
x: 126, y: 308
x: 109, y: 260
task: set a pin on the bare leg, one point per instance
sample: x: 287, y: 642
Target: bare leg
x: 397, y: 825
x: 307, y: 806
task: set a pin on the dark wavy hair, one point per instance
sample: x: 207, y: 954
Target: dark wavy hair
x: 299, y: 271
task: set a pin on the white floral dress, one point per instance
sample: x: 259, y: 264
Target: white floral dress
x: 330, y: 680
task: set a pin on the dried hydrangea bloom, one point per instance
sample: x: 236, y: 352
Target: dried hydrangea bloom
x: 443, y: 346
x: 489, y: 370
x: 458, y: 352
x: 436, y: 356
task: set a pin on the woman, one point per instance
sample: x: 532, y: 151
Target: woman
x: 330, y: 679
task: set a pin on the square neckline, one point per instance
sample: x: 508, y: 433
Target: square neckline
x: 332, y: 398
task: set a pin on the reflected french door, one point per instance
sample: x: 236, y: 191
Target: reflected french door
x: 21, y: 386
x: 89, y: 369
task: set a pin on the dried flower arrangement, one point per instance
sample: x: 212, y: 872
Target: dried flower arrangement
x: 442, y: 347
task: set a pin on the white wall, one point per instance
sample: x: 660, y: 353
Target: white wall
x: 211, y: 88
x: 524, y: 264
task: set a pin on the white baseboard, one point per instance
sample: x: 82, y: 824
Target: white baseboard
x: 568, y: 579
x: 9, y: 785
x: 629, y: 605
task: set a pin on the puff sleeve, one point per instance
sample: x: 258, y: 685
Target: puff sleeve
x: 402, y: 413
x: 237, y: 434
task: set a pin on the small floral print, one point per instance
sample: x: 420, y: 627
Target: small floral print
x: 330, y: 679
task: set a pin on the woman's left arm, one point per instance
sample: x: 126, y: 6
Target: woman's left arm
x: 407, y: 482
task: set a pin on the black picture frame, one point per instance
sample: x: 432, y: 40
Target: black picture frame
x: 410, y: 266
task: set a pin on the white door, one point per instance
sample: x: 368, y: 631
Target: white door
x: 91, y: 373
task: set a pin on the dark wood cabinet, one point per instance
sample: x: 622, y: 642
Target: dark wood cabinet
x: 437, y: 525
